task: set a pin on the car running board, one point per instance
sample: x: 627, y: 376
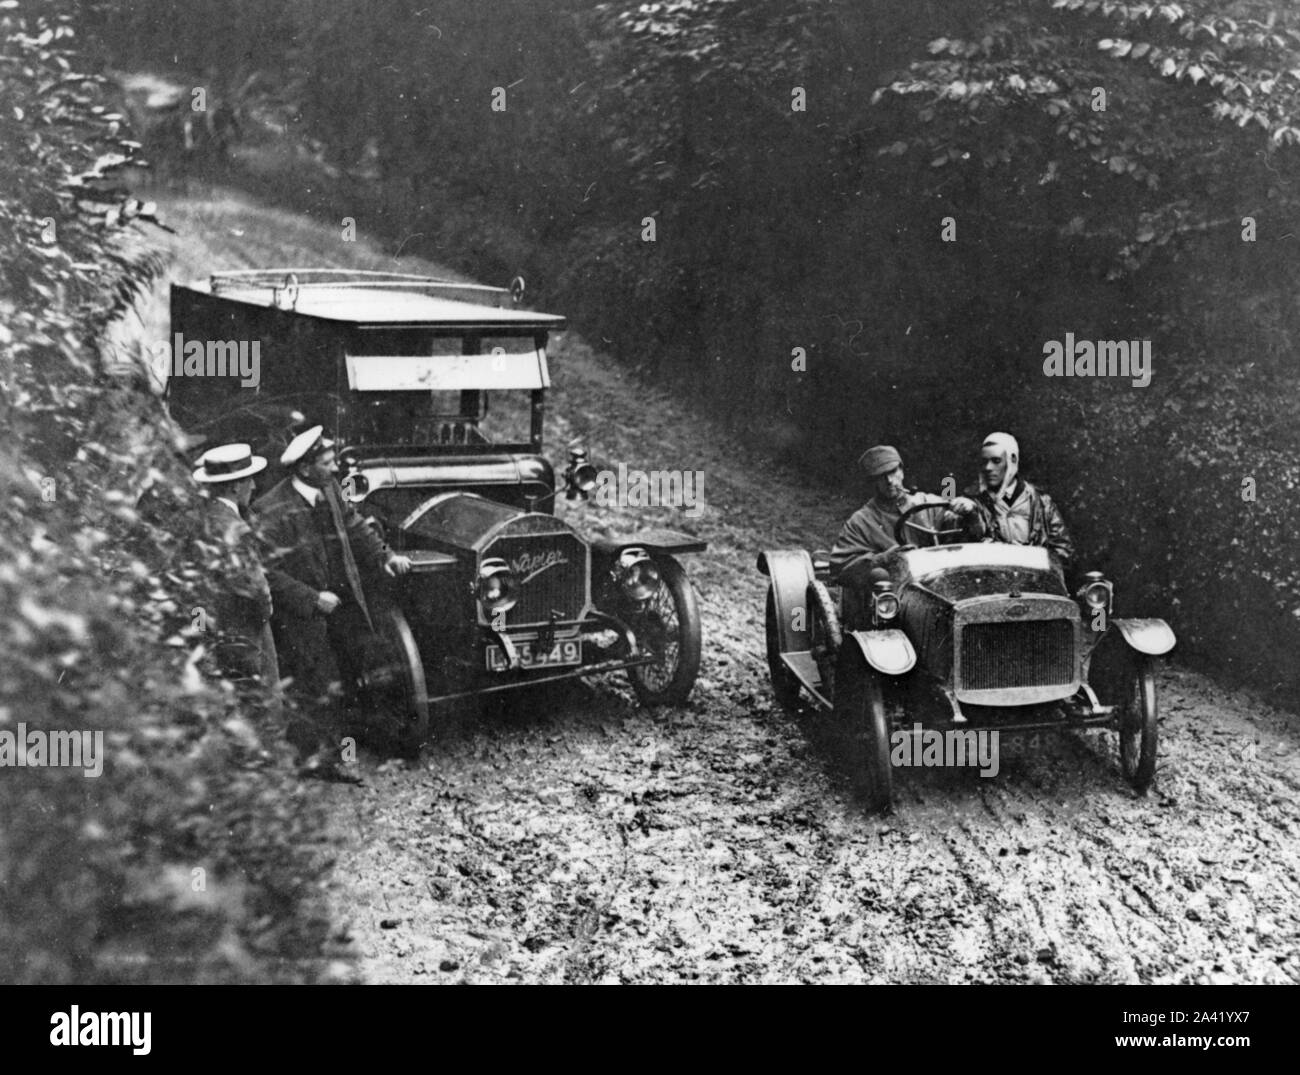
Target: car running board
x: 805, y: 670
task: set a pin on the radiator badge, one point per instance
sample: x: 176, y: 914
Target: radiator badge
x: 529, y: 565
x: 1016, y: 611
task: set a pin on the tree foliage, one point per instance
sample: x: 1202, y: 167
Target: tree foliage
x: 802, y: 162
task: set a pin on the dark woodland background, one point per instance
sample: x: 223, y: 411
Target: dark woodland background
x: 776, y: 229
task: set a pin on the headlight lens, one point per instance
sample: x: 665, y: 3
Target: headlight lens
x: 884, y: 602
x: 637, y: 574
x: 496, y: 585
x: 1096, y: 591
x: 579, y: 476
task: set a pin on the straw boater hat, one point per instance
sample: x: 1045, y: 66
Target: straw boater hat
x: 228, y: 463
x: 306, y: 446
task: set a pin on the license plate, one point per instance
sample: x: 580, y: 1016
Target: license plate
x: 568, y: 651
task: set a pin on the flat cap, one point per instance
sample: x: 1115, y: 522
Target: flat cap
x: 880, y: 460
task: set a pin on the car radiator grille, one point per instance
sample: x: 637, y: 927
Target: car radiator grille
x: 557, y: 564
x: 1036, y: 653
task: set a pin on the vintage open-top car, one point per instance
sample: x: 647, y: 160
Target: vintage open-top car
x: 966, y: 636
x: 401, y: 370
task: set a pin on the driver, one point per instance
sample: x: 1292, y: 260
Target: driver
x: 868, y: 537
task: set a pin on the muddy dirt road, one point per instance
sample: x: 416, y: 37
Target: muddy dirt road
x: 577, y: 838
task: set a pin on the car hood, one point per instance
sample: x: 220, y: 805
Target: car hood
x: 959, y: 572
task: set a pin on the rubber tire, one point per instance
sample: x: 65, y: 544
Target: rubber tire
x: 400, y: 649
x: 678, y: 688
x: 860, y: 715
x: 785, y: 685
x: 825, y: 622
x: 1138, y: 735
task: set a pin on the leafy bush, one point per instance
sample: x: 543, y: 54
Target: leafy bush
x: 181, y: 862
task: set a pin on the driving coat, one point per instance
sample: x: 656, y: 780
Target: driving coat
x: 309, y: 550
x: 1035, y: 515
x: 869, y: 534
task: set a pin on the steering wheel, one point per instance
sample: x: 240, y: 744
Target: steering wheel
x: 936, y: 535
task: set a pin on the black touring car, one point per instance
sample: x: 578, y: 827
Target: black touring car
x: 434, y: 392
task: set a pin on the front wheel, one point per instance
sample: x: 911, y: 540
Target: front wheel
x: 860, y: 715
x: 667, y: 627
x: 1127, y: 681
x: 1137, y: 724
x: 395, y: 682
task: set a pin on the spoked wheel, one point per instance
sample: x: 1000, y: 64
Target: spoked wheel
x: 860, y: 715
x: 395, y: 681
x: 827, y: 636
x: 785, y: 685
x: 1137, y: 724
x: 1127, y: 681
x: 667, y: 627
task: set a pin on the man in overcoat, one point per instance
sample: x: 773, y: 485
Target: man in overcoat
x: 243, y: 645
x: 317, y: 546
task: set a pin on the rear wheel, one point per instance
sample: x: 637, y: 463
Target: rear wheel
x: 785, y: 685
x: 860, y: 716
x: 667, y: 628
x: 827, y: 636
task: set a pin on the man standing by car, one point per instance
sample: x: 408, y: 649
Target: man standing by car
x: 322, y: 620
x: 1011, y: 509
x: 244, y: 647
x: 868, y: 537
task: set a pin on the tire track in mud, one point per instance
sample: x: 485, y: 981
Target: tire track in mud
x: 572, y: 836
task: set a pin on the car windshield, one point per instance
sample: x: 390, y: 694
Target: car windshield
x: 418, y: 388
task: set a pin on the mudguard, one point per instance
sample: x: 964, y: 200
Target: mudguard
x: 791, y: 572
x: 1150, y: 636
x: 888, y: 650
x: 669, y: 541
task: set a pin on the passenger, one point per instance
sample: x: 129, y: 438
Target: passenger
x: 244, y: 647
x: 1011, y: 509
x: 322, y: 619
x: 867, y: 539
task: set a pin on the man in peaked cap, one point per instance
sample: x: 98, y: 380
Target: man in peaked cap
x: 245, y: 646
x: 322, y: 619
x: 867, y: 539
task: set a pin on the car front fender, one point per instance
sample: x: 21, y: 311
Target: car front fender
x: 664, y: 541
x: 1150, y: 636
x: 888, y: 651
x: 791, y: 572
